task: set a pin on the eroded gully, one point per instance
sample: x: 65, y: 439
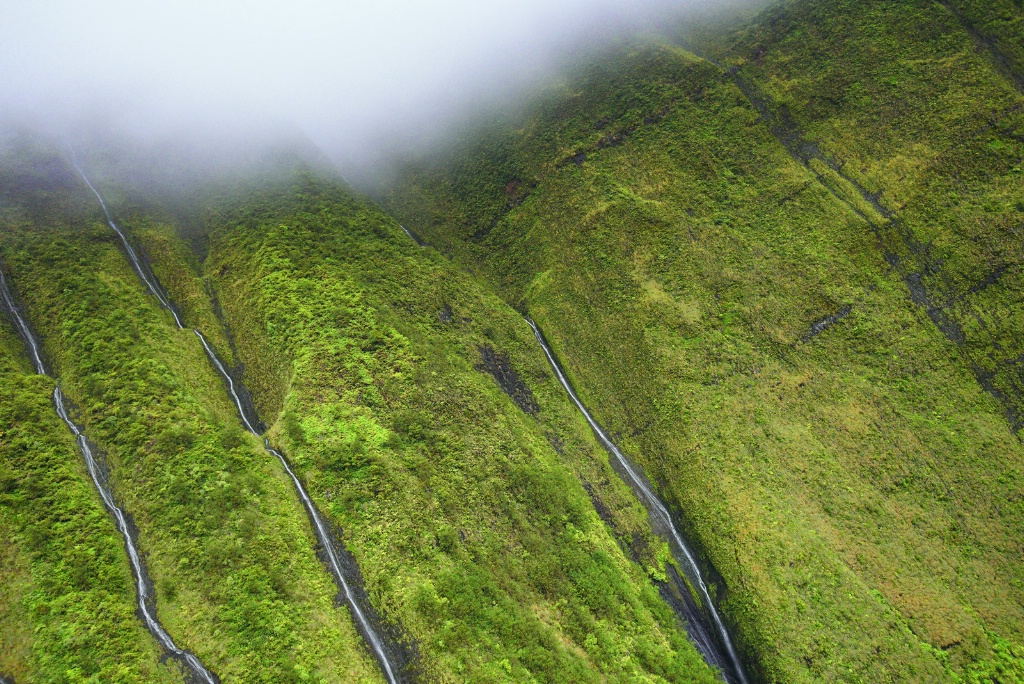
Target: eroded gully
x: 704, y: 624
x: 343, y: 574
x: 145, y: 598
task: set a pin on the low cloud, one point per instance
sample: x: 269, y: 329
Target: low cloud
x: 355, y: 78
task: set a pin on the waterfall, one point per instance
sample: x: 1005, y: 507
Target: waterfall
x: 319, y: 527
x: 145, y: 599
x: 149, y: 279
x: 730, y: 663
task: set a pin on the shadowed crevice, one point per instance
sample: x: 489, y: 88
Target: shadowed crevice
x: 827, y: 322
x: 511, y: 383
x: 987, y: 45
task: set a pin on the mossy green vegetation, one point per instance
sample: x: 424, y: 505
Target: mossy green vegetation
x: 924, y: 116
x: 67, y: 599
x: 497, y: 544
x: 473, y: 533
x: 226, y: 541
x: 782, y: 266
x: 774, y: 342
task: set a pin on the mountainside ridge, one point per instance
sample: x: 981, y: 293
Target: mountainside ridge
x: 778, y: 267
x: 678, y: 226
x: 592, y: 606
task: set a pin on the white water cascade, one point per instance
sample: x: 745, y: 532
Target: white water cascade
x: 150, y: 282
x: 728, y: 662
x: 146, y: 601
x: 321, y: 529
x: 660, y: 515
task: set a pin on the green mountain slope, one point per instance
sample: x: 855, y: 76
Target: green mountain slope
x: 822, y: 380
x: 472, y: 531
x: 226, y: 542
x: 780, y: 259
x: 67, y: 598
x: 491, y: 533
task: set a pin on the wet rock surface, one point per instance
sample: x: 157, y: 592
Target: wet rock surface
x: 827, y: 322
x: 510, y: 382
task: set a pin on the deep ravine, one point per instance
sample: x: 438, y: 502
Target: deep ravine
x: 704, y: 624
x: 143, y: 585
x: 344, y: 575
x: 320, y: 527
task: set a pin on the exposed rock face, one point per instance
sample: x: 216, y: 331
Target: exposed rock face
x: 497, y: 364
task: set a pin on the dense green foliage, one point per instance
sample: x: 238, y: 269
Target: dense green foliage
x: 472, y: 532
x: 474, y: 523
x: 781, y: 260
x: 914, y: 113
x: 705, y: 250
x: 225, y: 538
x: 67, y: 599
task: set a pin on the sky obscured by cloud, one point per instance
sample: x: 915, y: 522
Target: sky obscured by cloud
x: 352, y: 76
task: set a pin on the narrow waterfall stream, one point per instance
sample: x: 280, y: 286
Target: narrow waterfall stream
x: 411, y: 236
x: 148, y: 278
x: 144, y: 595
x: 705, y: 626
x: 320, y: 528
x: 703, y: 623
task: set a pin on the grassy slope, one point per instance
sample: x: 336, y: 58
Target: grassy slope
x: 473, y: 534
x: 858, y: 491
x: 67, y: 600
x: 998, y: 29
x: 226, y: 540
x: 915, y: 109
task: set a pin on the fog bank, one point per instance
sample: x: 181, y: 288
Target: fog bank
x: 354, y: 78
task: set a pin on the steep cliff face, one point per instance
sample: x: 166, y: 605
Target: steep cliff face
x: 784, y: 267
x: 489, y: 541
x: 780, y: 264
